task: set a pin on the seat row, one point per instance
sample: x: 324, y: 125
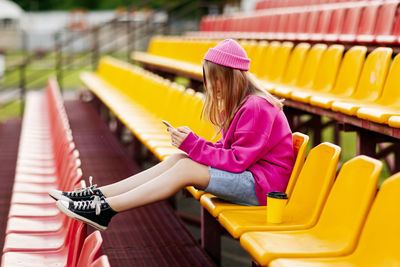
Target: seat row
x: 347, y: 82
x: 326, y: 216
x: 37, y: 234
x: 268, y: 4
x: 353, y: 22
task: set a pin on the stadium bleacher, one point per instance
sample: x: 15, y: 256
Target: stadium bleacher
x: 327, y: 58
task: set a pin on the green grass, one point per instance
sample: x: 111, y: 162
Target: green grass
x: 10, y: 110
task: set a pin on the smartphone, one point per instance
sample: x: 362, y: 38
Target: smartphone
x: 167, y: 124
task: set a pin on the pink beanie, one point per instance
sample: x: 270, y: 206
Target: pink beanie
x: 228, y: 53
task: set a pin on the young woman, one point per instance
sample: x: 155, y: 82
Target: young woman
x: 254, y: 156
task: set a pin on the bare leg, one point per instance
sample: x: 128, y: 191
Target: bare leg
x: 185, y: 172
x: 141, y: 177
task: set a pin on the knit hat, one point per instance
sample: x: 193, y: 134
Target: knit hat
x: 228, y: 53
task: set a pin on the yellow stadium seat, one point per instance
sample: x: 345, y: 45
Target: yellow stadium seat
x: 293, y: 68
x: 394, y: 121
x: 371, y: 82
x: 305, y: 203
x: 338, y: 229
x: 265, y: 68
x: 256, y: 62
x: 308, y: 71
x: 346, y: 82
x: 325, y: 75
x: 300, y: 143
x: 279, y: 63
x: 389, y: 103
x: 379, y: 239
x: 215, y: 206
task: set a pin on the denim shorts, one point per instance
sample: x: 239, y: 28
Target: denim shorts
x: 237, y: 188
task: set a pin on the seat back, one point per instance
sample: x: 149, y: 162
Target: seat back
x: 351, y: 19
x: 77, y: 237
x: 373, y: 74
x: 257, y: 62
x: 90, y: 250
x: 349, y: 71
x: 102, y: 261
x: 266, y: 67
x: 295, y: 64
x: 367, y: 20
x: 349, y: 201
x: 280, y: 60
x: 323, y: 21
x: 313, y: 184
x: 385, y: 18
x: 309, y: 70
x: 300, y: 142
x: 391, y: 93
x: 293, y: 20
x: 378, y: 245
x: 311, y: 21
x: 336, y: 21
x: 327, y: 69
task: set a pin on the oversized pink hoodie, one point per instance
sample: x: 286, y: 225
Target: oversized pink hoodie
x: 259, y: 139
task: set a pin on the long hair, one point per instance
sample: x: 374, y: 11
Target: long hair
x: 226, y: 90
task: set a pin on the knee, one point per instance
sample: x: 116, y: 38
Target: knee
x: 174, y: 158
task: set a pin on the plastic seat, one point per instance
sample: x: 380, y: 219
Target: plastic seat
x: 102, y: 261
x: 386, y: 23
x: 265, y: 68
x: 350, y: 25
x: 365, y: 32
x: 335, y: 25
x: 292, y: 69
x: 215, y: 206
x: 310, y: 25
x: 322, y: 25
x: 337, y: 230
x: 307, y: 74
x: 370, y: 84
x: 379, y: 237
x: 305, y: 203
x: 292, y: 25
x: 388, y: 104
x: 346, y: 81
x: 25, y: 242
x: 324, y: 77
x: 90, y: 250
x: 280, y: 58
x: 66, y: 256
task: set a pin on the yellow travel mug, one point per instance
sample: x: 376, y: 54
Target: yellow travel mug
x: 276, y: 202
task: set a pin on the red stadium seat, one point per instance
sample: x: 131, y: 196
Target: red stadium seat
x: 388, y: 24
x: 90, y: 249
x: 335, y: 25
x: 350, y: 24
x: 310, y: 25
x: 365, y: 33
x: 102, y: 261
x: 322, y: 25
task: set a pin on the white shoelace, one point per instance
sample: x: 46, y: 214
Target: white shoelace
x: 84, y: 191
x: 89, y: 204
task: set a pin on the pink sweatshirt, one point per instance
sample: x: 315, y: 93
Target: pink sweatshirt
x: 259, y: 139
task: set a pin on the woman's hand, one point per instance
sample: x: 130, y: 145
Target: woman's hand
x: 178, y: 135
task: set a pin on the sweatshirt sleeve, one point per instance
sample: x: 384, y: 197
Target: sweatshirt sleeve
x: 250, y: 140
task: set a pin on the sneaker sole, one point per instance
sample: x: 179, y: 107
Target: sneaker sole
x: 75, y: 216
x: 57, y: 196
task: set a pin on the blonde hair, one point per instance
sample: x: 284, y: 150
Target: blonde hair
x: 223, y: 100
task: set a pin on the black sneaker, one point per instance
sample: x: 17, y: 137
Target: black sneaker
x: 78, y: 194
x: 96, y: 212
